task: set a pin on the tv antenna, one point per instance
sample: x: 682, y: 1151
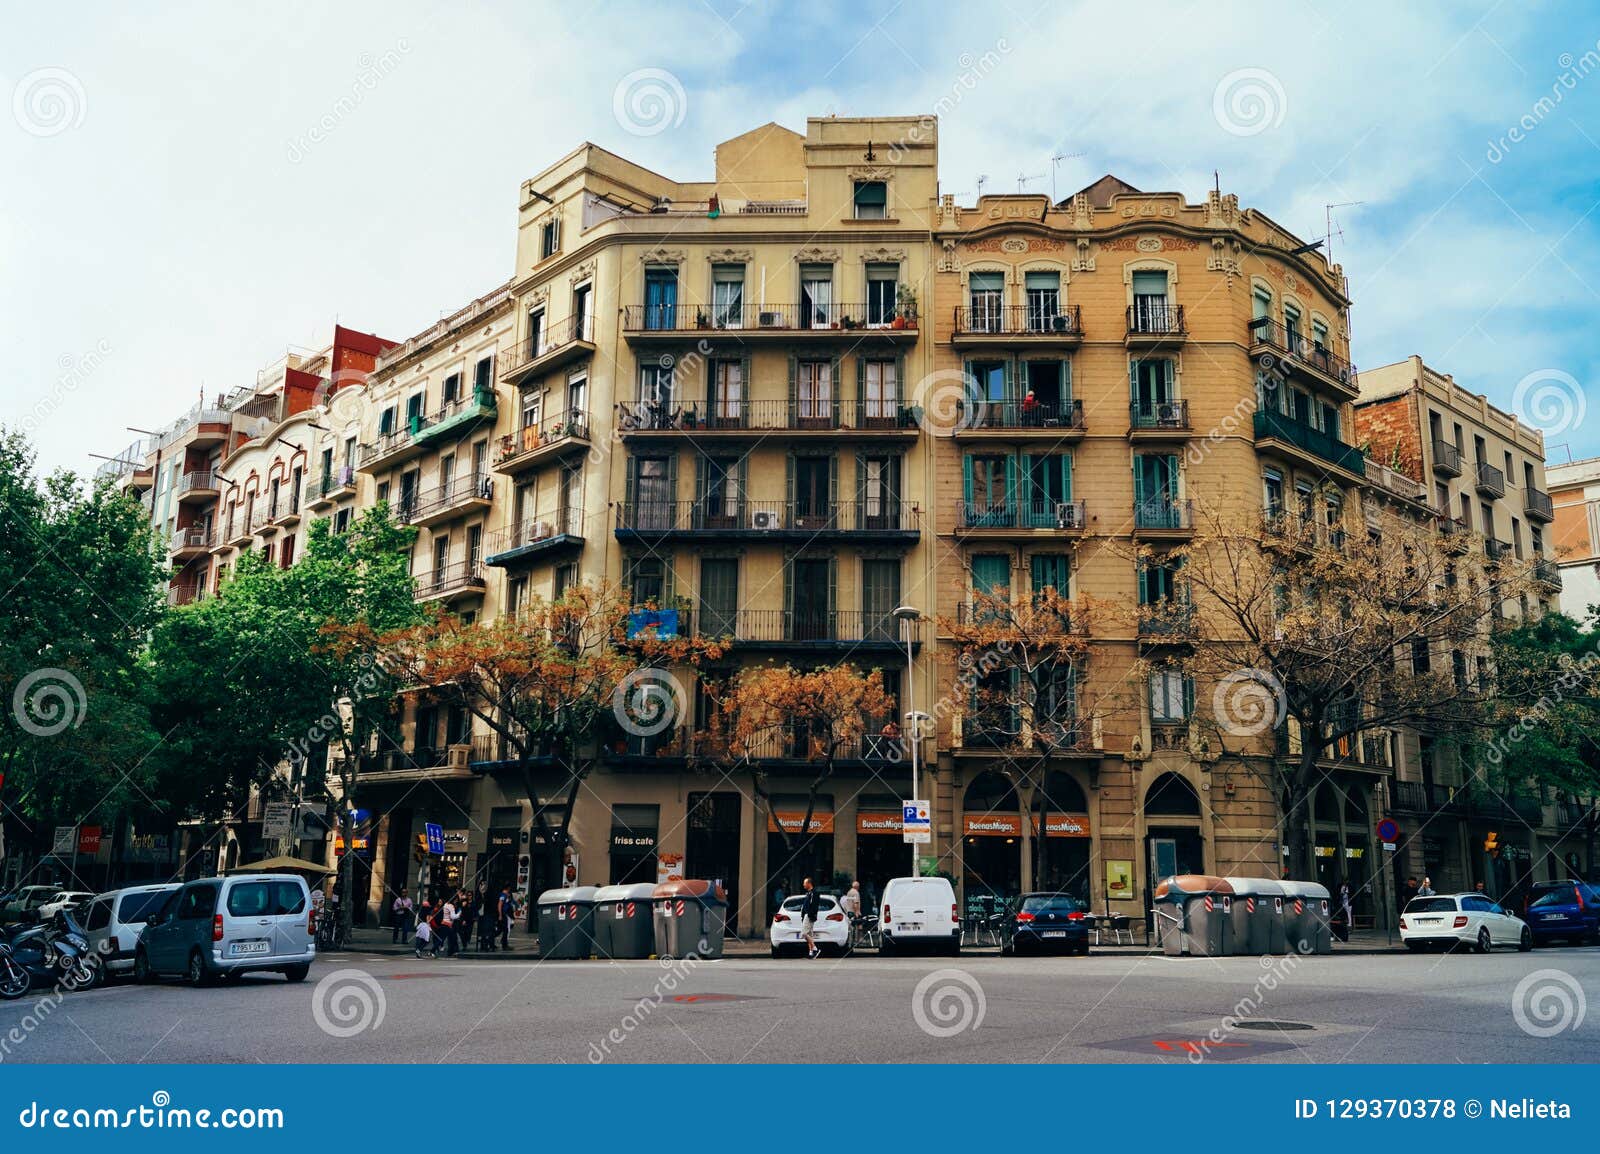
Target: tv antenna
x: 1331, y: 230
x: 1055, y: 162
x: 1022, y: 181
x: 982, y: 180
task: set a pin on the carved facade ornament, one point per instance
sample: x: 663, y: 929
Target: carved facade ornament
x: 1084, y: 261
x: 816, y: 255
x: 1222, y: 210
x: 1150, y: 208
x: 883, y: 255
x: 869, y: 173
x: 949, y: 261
x: 949, y: 211
x: 582, y: 273
x: 1082, y: 211
x: 539, y: 295
x: 729, y: 256
x: 1148, y: 244
x: 1014, y: 244
x: 663, y: 256
x: 1224, y: 258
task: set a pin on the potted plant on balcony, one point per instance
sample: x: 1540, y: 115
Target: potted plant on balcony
x: 701, y: 321
x: 905, y: 307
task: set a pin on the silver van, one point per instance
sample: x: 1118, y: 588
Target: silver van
x: 230, y: 926
x: 114, y: 922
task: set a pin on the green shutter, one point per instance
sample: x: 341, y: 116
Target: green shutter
x: 1011, y: 379
x: 1133, y: 381
x: 1066, y: 476
x: 966, y: 479
x: 1066, y: 388
x: 1011, y: 480
x: 836, y: 385
x: 1144, y: 584
x: 861, y: 488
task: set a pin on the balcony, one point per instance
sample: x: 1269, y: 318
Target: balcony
x: 191, y: 542
x: 198, y: 487
x: 1158, y: 420
x: 1537, y: 505
x: 1166, y: 623
x: 1073, y: 622
x: 1485, y: 804
x: 451, y: 583
x: 1163, y: 517
x: 1424, y: 798
x: 803, y: 629
x: 535, y: 539
x: 1153, y: 323
x: 392, y: 448
x: 775, y: 521
x: 325, y: 490
x: 1010, y: 419
x: 469, y: 494
x: 1276, y: 347
x: 560, y: 345
x: 821, y: 323
x: 677, y: 748
x: 746, y: 418
x: 1037, y: 323
x: 553, y: 437
x: 1446, y: 458
x: 186, y: 593
x: 1547, y: 573
x: 1004, y: 517
x: 1488, y: 480
x: 456, y: 419
x: 1002, y: 727
x: 1310, y: 445
x: 1495, y: 549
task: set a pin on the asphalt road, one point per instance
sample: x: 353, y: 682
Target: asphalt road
x: 978, y: 1008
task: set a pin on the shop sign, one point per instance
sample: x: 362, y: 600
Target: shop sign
x: 89, y: 839
x: 669, y: 868
x: 993, y: 825
x: 1064, y: 825
x: 791, y: 822
x: 634, y: 841
x: 886, y: 822
x: 1119, y: 880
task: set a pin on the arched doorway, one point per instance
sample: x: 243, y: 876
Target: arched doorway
x: 991, y: 842
x: 1172, y: 838
x: 1061, y: 836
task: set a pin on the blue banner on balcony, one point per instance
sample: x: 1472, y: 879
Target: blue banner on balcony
x: 659, y: 623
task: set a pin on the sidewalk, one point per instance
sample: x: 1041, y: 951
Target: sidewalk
x: 525, y: 948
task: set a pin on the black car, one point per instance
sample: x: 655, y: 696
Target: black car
x: 1567, y: 910
x: 1040, y: 921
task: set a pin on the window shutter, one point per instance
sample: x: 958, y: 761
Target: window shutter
x: 1138, y: 480
x: 788, y: 478
x: 836, y: 384
x: 966, y: 479
x: 898, y: 396
x: 861, y: 389
x: 1188, y: 697
x: 1144, y: 584
x: 1066, y: 386
x: 833, y: 480
x: 1169, y: 370
x: 833, y: 585
x: 1066, y: 476
x: 1011, y: 379
x: 861, y: 489
x: 1011, y: 480
x: 1133, y: 381
x: 794, y: 386
x: 746, y: 385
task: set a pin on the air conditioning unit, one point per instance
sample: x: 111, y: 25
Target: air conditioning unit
x: 1059, y: 323
x: 1067, y: 515
x: 455, y: 757
x: 541, y: 530
x: 1169, y: 414
x: 770, y: 320
x: 764, y: 519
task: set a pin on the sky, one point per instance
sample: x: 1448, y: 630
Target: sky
x: 189, y: 191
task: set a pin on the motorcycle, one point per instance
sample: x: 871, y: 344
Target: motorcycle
x: 57, y: 952
x: 15, y: 980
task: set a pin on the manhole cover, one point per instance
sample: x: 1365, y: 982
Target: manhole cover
x: 1261, y: 1024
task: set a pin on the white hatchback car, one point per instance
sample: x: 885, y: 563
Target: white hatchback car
x: 832, y: 930
x: 1451, y: 920
x: 65, y: 900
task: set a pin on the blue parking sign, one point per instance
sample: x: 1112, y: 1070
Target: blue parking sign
x: 435, y: 835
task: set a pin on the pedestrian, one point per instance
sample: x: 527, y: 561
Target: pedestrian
x: 810, y: 908
x: 402, y: 915
x: 425, y: 939
x: 469, y: 915
x: 1346, y: 909
x: 506, y: 907
x: 488, y: 921
x: 851, y: 904
x: 447, y: 926
x: 1426, y: 889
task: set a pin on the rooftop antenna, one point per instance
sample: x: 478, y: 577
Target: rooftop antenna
x: 1022, y: 181
x: 1327, y: 223
x: 1055, y: 162
x: 1216, y: 181
x: 982, y: 180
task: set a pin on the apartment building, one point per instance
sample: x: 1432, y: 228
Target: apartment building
x: 1575, y: 495
x: 1483, y: 473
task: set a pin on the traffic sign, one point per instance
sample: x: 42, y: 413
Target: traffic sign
x: 435, y: 835
x: 1388, y: 830
x: 917, y: 822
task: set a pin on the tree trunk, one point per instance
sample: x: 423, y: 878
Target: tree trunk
x: 1296, y: 816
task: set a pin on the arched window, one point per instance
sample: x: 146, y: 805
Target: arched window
x: 1171, y: 796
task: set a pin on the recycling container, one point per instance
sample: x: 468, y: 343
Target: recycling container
x: 1306, y: 918
x: 624, y: 923
x: 1264, y: 907
x: 566, y: 922
x: 1204, y: 924
x: 689, y: 918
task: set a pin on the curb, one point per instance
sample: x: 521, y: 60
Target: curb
x: 527, y: 956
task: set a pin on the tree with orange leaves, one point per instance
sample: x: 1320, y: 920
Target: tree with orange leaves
x: 549, y: 680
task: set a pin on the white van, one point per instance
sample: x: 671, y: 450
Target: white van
x: 919, y: 911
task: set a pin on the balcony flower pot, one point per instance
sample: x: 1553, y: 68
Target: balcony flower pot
x: 899, y: 322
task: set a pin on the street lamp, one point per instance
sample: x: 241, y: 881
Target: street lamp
x: 908, y: 616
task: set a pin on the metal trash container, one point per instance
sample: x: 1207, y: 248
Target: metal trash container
x: 566, y: 922
x: 1204, y: 907
x: 624, y: 923
x: 690, y: 916
x: 1263, y: 912
x: 1306, y: 918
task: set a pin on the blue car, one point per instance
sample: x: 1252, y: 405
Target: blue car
x: 1046, y: 921
x: 1564, y: 910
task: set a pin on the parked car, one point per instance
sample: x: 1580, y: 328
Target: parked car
x: 1453, y: 920
x: 918, y: 911
x: 114, y: 921
x: 228, y: 927
x: 1569, y: 910
x: 1045, y: 921
x: 832, y: 929
x: 63, y: 900
x: 24, y: 905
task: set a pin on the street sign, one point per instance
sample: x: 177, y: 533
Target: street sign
x: 1388, y: 830
x: 277, y: 820
x: 1388, y: 847
x: 917, y: 821
x: 66, y: 841
x: 435, y: 836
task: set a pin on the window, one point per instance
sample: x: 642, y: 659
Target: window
x: 872, y: 200
x: 516, y: 593
x: 350, y: 452
x: 648, y: 582
x: 986, y: 295
x: 295, y: 479
x: 265, y: 899
x: 1046, y: 380
x: 661, y: 298
x: 577, y: 396
x: 1153, y: 391
x: 341, y: 522
x: 989, y: 381
x: 287, y: 557
x: 386, y: 421
x: 657, y: 388
x: 197, y: 902
x: 1150, y: 313
x: 1043, y: 291
x: 1049, y: 485
x: 727, y: 382
x: 883, y: 281
x: 991, y: 482
x: 414, y: 405
x: 451, y: 391
x: 1291, y: 328
x: 566, y: 576
x: 536, y: 335
x: 1319, y: 335
x: 880, y: 492
x: 1171, y: 697
x: 582, y: 321
x: 1050, y: 571
x: 719, y: 480
x: 719, y: 597
x: 1272, y: 493
x: 880, y: 595
x: 483, y: 374
x: 727, y: 296
x: 880, y: 392
x: 550, y: 238
x: 816, y: 295
x: 814, y: 394
x: 1158, y: 582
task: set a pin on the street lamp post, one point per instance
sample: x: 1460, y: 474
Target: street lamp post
x: 908, y: 616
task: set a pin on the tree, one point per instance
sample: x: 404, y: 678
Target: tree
x: 1336, y: 633
x: 82, y: 590
x: 547, y: 681
x: 819, y: 715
